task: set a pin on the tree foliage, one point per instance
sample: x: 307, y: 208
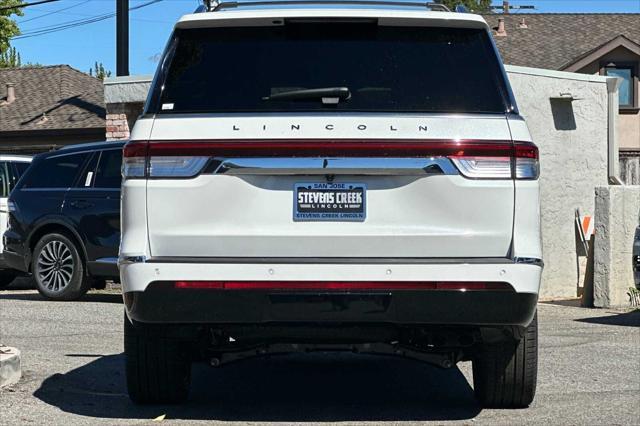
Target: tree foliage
x: 8, y: 27
x: 99, y: 71
x: 476, y: 6
x: 10, y: 58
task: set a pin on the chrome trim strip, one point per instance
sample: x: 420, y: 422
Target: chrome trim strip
x: 529, y: 261
x: 335, y: 166
x: 332, y: 260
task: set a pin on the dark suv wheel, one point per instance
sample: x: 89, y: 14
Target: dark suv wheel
x: 158, y: 368
x: 504, y: 374
x: 58, y: 268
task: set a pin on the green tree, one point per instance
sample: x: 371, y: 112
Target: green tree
x: 99, y: 71
x: 10, y: 59
x: 476, y: 6
x: 8, y: 27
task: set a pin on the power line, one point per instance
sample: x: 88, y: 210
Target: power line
x: 22, y: 21
x: 19, y: 6
x: 76, y: 23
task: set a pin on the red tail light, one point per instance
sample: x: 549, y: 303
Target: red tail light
x: 474, y: 159
x: 527, y: 164
x: 342, y: 285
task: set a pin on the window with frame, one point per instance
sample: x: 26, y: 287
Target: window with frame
x: 108, y: 174
x: 16, y: 169
x: 627, y: 73
x: 385, y: 68
x: 60, y: 171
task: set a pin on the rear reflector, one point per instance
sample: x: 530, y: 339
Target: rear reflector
x: 474, y: 159
x: 342, y: 285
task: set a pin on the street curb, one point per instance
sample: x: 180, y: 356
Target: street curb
x: 10, y: 370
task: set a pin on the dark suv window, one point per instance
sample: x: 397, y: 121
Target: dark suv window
x: 385, y: 68
x: 56, y: 172
x: 108, y: 174
x: 16, y: 172
x: 10, y: 172
x: 21, y: 167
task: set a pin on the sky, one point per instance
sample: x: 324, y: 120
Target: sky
x: 150, y: 26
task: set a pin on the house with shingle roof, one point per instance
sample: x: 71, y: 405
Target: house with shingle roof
x: 45, y: 107
x: 604, y: 44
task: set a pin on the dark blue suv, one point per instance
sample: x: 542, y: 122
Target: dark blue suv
x: 64, y: 219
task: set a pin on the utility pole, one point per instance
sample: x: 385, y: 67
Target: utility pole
x: 122, y: 37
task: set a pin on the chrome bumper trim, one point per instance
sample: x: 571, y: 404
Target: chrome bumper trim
x: 337, y: 166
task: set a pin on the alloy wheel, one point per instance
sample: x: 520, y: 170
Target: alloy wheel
x: 55, y: 266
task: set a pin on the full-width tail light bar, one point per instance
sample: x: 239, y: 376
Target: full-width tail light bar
x: 474, y: 159
x: 343, y: 285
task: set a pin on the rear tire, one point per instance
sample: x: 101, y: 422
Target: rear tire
x: 505, y: 374
x: 58, y: 268
x: 158, y: 369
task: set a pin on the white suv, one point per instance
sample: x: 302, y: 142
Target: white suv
x: 327, y: 176
x: 12, y: 167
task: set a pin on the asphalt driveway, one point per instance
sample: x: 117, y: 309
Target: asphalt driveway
x: 73, y: 374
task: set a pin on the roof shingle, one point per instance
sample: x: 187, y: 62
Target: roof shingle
x: 553, y: 41
x: 69, y: 99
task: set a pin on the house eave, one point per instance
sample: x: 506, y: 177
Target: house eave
x: 620, y: 41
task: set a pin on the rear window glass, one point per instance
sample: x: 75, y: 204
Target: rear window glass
x: 386, y: 69
x: 108, y: 174
x: 21, y: 167
x: 56, y: 172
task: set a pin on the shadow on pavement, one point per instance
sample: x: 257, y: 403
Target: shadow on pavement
x: 563, y: 302
x: 313, y: 387
x: 22, y: 283
x: 628, y: 319
x: 89, y: 297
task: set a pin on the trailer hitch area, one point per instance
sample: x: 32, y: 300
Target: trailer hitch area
x: 442, y: 360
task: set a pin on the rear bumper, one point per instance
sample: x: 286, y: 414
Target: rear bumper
x: 150, y: 297
x: 16, y: 256
x: 17, y: 261
x: 162, y: 303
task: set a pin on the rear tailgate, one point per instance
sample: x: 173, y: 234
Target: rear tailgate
x: 440, y: 214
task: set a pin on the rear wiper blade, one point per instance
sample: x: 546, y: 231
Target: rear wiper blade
x: 328, y: 95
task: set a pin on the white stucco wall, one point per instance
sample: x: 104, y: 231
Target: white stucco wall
x: 617, y: 216
x: 572, y: 138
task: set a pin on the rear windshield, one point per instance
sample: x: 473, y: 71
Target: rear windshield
x: 384, y: 69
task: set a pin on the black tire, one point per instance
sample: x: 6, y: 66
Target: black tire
x: 6, y: 278
x: 505, y: 374
x: 78, y: 283
x: 158, y: 369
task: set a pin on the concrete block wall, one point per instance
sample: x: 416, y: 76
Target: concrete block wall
x: 617, y: 216
x: 573, y: 141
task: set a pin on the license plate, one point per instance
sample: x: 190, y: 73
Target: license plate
x: 330, y: 202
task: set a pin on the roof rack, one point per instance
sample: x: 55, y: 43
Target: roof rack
x: 217, y: 5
